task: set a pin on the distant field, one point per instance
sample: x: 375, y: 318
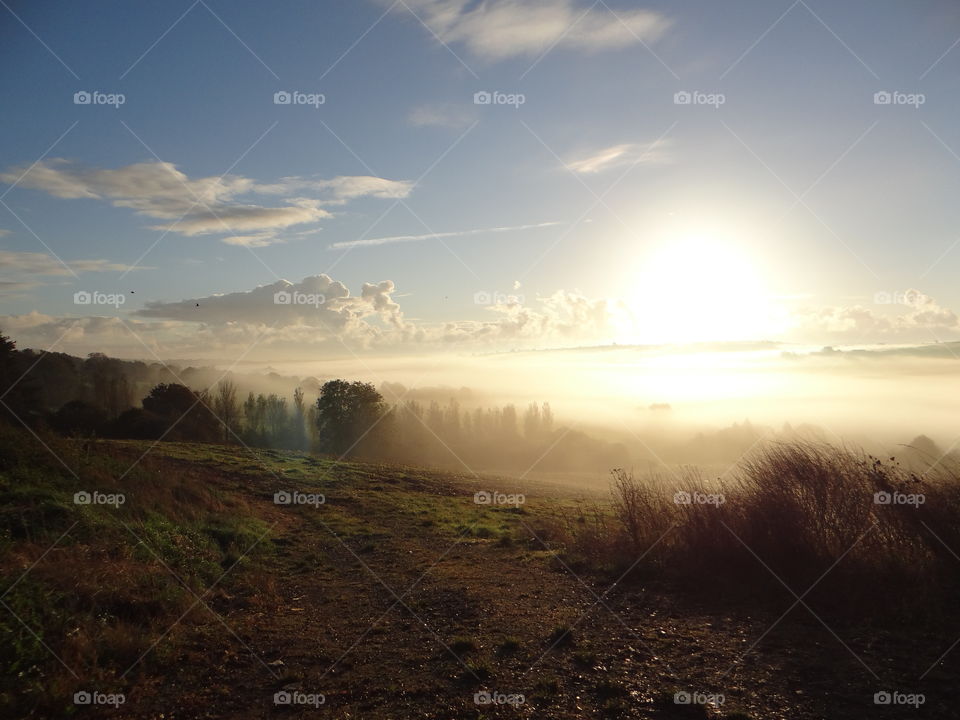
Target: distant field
x: 396, y: 596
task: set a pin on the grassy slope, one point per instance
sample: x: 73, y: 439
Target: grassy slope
x: 398, y: 597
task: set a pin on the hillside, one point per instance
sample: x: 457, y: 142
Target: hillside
x: 394, y: 595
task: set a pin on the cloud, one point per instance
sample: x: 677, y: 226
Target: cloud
x: 318, y: 302
x: 34, y: 263
x: 369, y: 242
x: 340, y: 189
x: 317, y: 314
x: 446, y: 115
x: 4, y: 233
x: 15, y: 288
x: 618, y: 156
x: 251, y: 241
x: 200, y: 206
x: 244, y: 218
x: 500, y: 29
x: 919, y: 318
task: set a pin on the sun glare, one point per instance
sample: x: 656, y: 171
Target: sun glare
x: 700, y: 287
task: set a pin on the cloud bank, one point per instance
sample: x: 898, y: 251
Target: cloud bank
x: 207, y: 205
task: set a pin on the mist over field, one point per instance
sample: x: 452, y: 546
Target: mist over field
x: 871, y: 395
x: 432, y: 359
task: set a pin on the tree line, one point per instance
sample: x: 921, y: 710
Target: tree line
x: 97, y: 396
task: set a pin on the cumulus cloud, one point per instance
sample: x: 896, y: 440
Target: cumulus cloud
x: 81, y: 335
x: 200, y: 206
x: 316, y: 314
x: 617, y: 156
x: 318, y: 306
x: 499, y: 29
x: 915, y: 317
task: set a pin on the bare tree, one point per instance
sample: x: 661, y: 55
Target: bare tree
x: 227, y: 408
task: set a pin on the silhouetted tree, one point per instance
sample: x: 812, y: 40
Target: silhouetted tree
x: 19, y: 394
x: 298, y: 433
x: 79, y: 418
x: 227, y: 409
x: 347, y: 416
x: 183, y: 413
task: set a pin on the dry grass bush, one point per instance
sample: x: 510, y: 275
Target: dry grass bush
x: 789, y: 513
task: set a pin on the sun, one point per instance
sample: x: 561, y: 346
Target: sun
x: 697, y: 288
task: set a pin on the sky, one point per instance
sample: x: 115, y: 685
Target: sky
x: 224, y: 180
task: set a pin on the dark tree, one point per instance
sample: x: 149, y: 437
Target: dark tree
x: 19, y: 393
x: 348, y: 418
x: 79, y: 418
x: 183, y: 414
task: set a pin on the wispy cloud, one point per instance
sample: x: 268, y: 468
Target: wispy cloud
x: 201, y: 206
x: 369, y: 242
x: 35, y: 263
x: 500, y: 29
x: 619, y: 155
x: 445, y: 115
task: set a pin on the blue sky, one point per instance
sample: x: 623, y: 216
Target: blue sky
x: 628, y: 216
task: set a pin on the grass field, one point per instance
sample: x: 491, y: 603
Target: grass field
x: 395, y: 594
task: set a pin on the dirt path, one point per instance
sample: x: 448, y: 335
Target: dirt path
x: 475, y: 615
